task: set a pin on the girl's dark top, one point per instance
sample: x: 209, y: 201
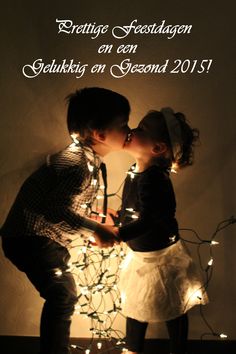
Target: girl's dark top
x: 151, y: 196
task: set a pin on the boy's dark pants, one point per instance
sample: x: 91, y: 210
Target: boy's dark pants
x: 39, y: 258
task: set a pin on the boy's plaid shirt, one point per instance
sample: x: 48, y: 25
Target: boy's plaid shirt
x: 56, y: 199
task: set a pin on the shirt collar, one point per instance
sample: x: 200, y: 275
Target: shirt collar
x: 91, y: 155
x: 93, y: 158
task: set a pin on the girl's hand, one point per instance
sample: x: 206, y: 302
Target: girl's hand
x: 105, y: 235
x: 112, y: 216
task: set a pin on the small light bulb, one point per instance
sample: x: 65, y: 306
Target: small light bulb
x: 172, y: 238
x: 174, y: 167
x: 92, y: 239
x: 90, y: 167
x: 210, y: 262
x: 102, y: 215
x: 134, y: 216
x: 58, y: 272
x: 99, y: 286
x: 222, y: 335
x: 68, y: 270
x: 87, y: 351
x: 132, y: 175
x: 129, y: 209
x: 84, y: 290
x: 73, y: 147
x: 198, y: 295
x: 214, y: 242
x: 94, y: 182
x: 99, y: 345
x: 74, y: 138
x: 70, y: 267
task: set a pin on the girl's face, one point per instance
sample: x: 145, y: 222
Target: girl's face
x: 140, y: 144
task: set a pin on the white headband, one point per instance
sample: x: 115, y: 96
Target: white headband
x: 174, y: 131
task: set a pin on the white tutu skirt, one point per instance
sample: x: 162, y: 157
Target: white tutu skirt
x: 160, y: 285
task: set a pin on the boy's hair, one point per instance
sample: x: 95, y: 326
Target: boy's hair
x: 94, y: 108
x: 190, y: 136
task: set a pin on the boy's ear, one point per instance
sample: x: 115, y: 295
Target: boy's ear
x: 98, y: 135
x: 159, y: 149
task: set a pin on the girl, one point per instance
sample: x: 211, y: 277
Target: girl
x: 159, y: 281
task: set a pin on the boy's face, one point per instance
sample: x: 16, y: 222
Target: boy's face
x: 115, y: 137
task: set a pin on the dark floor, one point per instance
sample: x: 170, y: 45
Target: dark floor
x: 30, y: 345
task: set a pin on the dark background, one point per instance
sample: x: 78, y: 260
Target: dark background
x: 33, y: 124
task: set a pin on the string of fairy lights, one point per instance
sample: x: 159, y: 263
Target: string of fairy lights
x: 207, y: 268
x: 97, y: 271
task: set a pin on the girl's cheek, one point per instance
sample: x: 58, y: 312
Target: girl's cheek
x: 135, y: 142
x: 139, y: 141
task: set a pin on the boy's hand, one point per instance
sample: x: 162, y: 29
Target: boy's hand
x: 106, y: 235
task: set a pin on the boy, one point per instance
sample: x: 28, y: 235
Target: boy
x: 53, y: 205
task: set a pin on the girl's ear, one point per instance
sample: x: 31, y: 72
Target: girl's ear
x: 98, y: 135
x: 159, y: 149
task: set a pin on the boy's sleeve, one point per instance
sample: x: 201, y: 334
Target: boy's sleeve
x: 155, y: 195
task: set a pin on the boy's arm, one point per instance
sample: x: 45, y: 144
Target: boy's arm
x: 67, y: 200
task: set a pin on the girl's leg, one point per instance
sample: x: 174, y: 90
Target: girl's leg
x: 178, y: 333
x: 135, y: 335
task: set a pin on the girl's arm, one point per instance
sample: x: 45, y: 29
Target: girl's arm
x: 157, y: 204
